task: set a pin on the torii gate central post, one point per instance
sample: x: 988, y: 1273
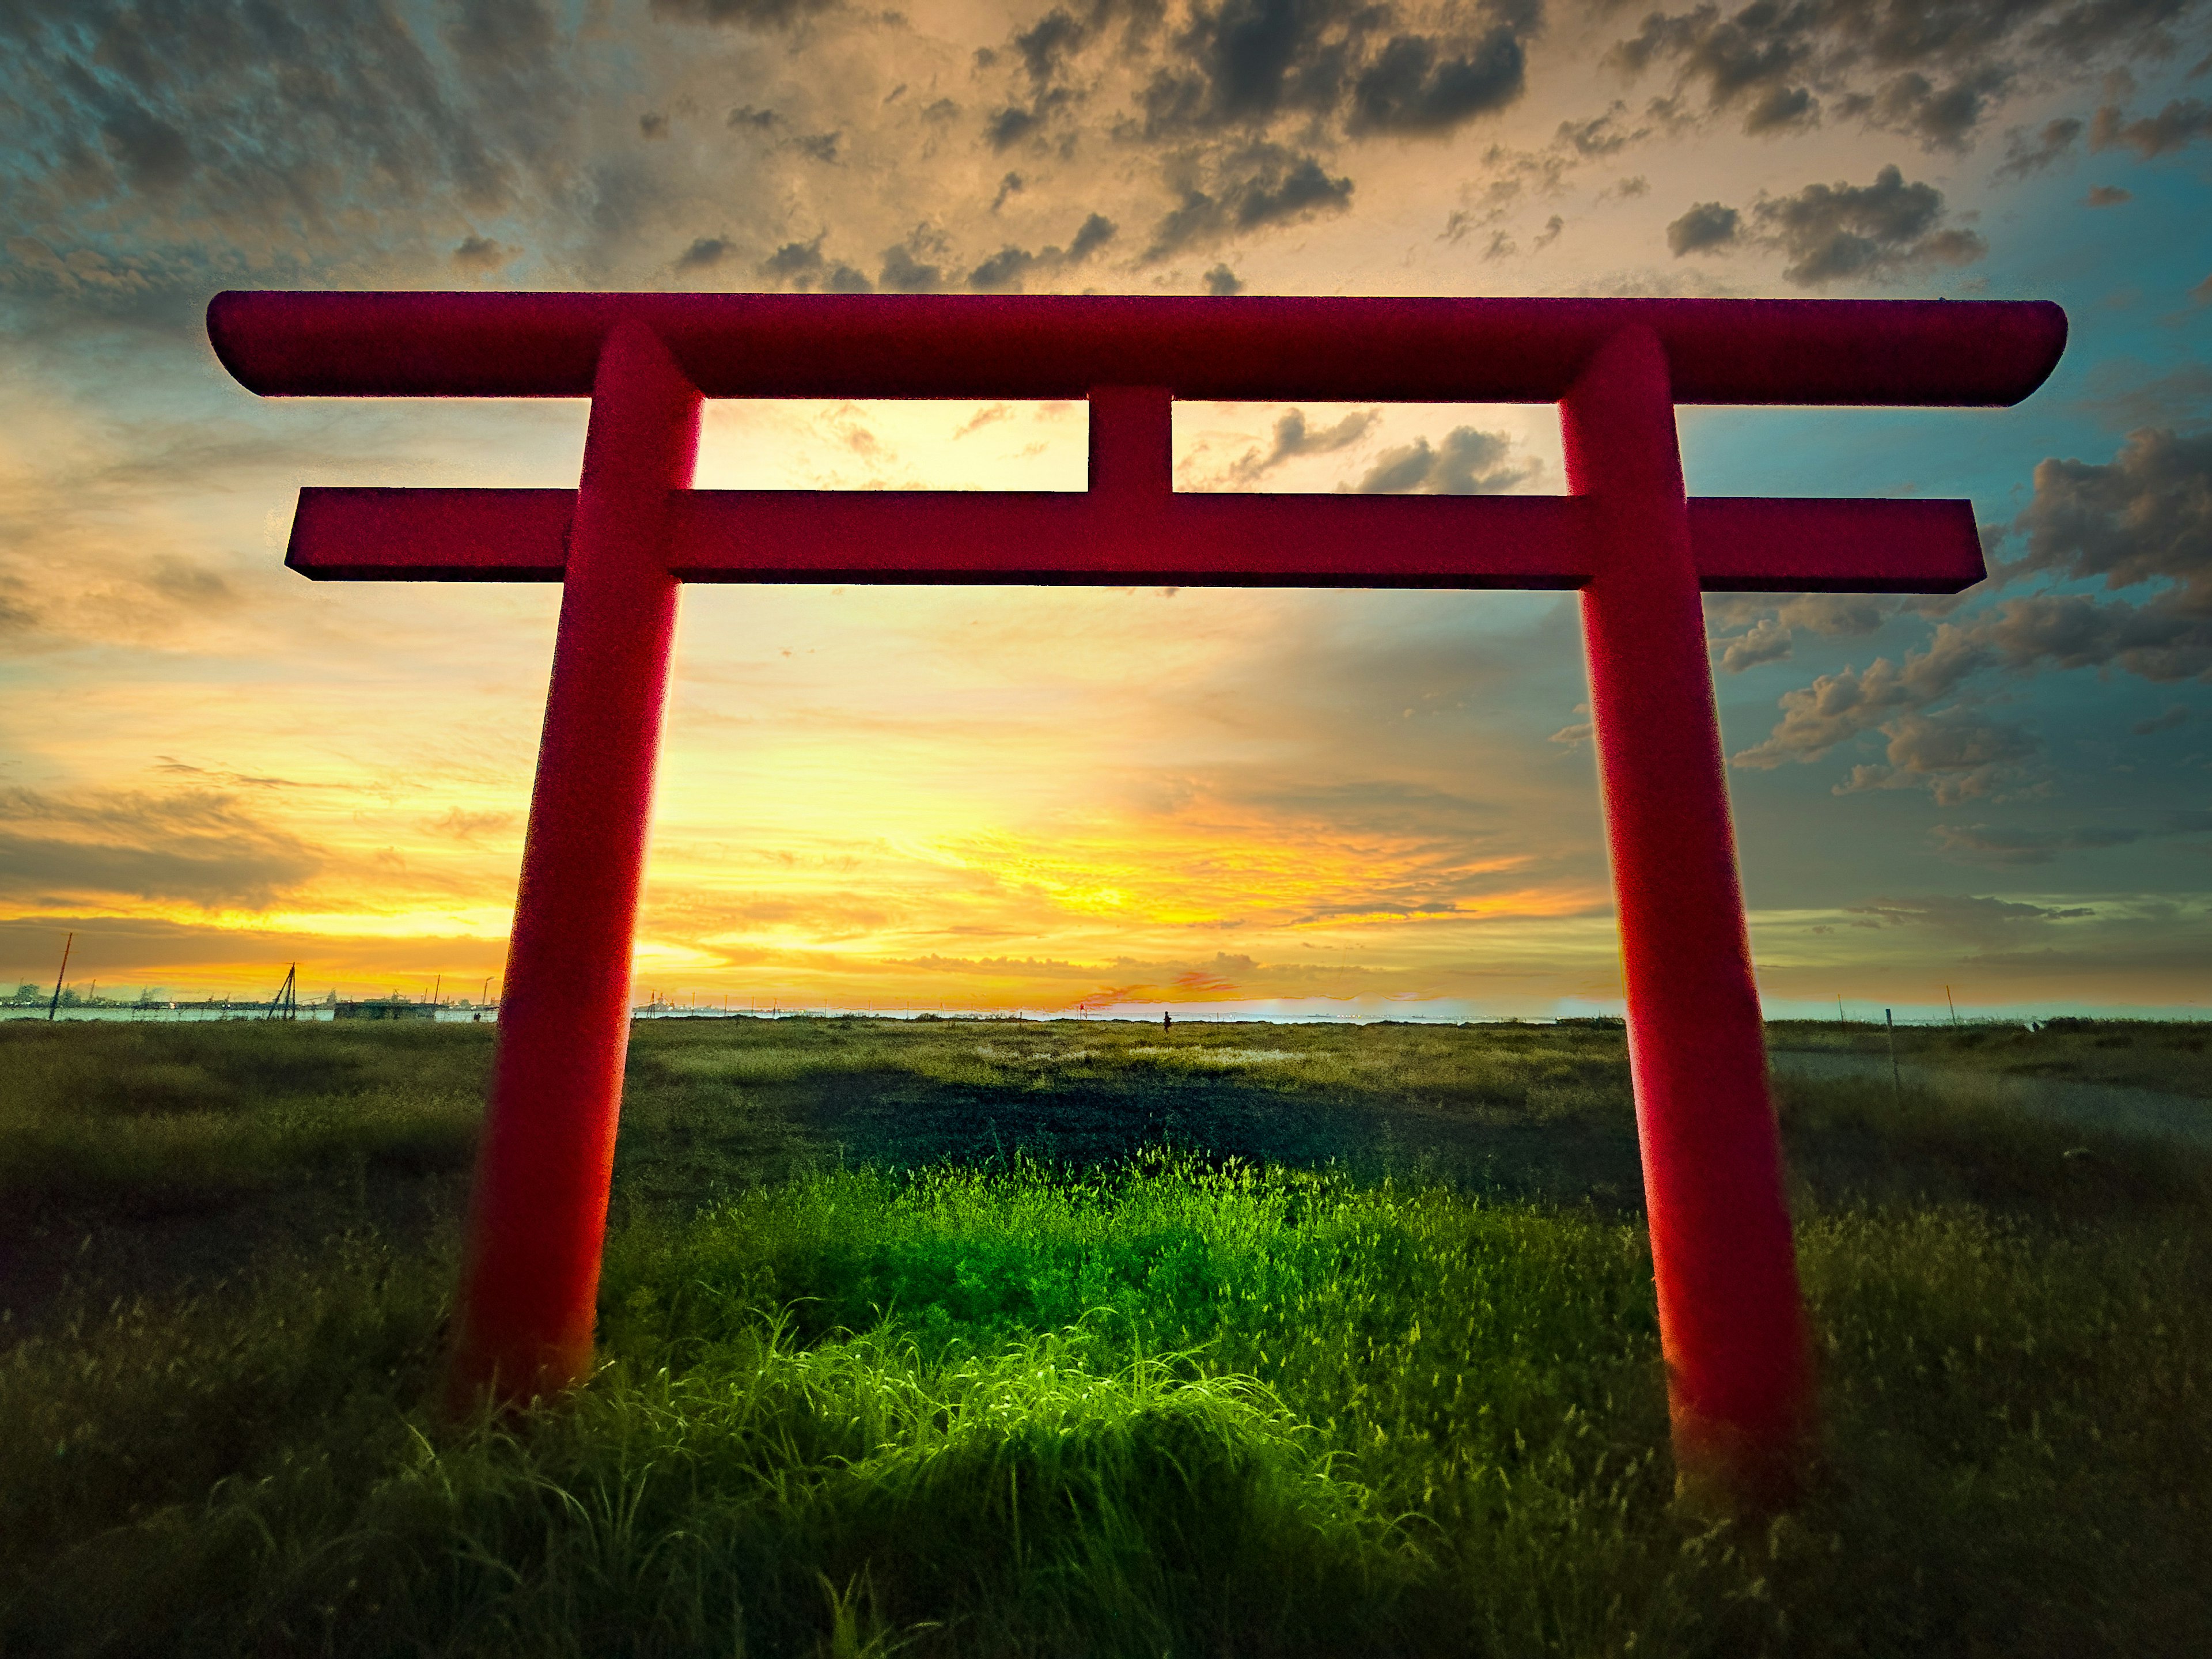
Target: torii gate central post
x: 1731, y: 1322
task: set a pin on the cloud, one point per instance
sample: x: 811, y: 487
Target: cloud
x: 2024, y: 156
x: 1002, y: 269
x: 1834, y: 232
x: 1221, y: 282
x: 193, y: 846
x: 1768, y: 639
x: 1466, y: 463
x: 2143, y: 519
x: 2179, y: 124
x: 1599, y: 136
x: 1932, y: 72
x: 1355, y: 66
x: 470, y: 828
x: 2145, y: 516
x: 2182, y: 394
x: 2101, y: 196
x: 703, y: 254
x: 1412, y: 86
x: 741, y: 14
x: 481, y: 253
x: 1982, y: 843
x: 1706, y: 226
x: 1982, y: 921
x: 803, y: 265
x: 1294, y: 437
x: 1957, y: 754
x: 1831, y: 615
x: 1256, y: 188
x: 902, y: 271
x: 1006, y: 268
x: 1886, y: 697
x: 2176, y: 714
x: 191, y: 585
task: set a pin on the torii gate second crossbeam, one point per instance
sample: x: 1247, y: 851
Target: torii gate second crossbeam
x: 1731, y: 1322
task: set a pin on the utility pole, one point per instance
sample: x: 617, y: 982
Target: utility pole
x: 56, y: 1002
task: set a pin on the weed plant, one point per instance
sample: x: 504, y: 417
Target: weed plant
x: 1172, y: 1403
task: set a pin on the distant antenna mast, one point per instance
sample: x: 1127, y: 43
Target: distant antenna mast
x: 285, y: 1004
x: 56, y: 1002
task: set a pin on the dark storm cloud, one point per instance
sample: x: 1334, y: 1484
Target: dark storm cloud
x: 198, y: 846
x: 1222, y: 282
x: 1933, y: 71
x: 1839, y: 232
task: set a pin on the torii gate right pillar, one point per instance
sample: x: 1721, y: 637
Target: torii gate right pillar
x: 1731, y: 1323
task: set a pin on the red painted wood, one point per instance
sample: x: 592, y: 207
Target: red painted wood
x: 1750, y: 544
x: 1416, y: 350
x: 1814, y: 545
x: 1730, y: 1322
x: 355, y: 535
x: 538, y: 1211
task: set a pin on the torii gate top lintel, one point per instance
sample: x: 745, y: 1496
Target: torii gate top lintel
x: 1129, y: 357
x: 1927, y: 352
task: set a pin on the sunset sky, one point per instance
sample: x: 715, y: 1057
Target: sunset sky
x: 1364, y: 803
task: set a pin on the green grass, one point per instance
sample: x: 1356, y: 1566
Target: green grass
x: 948, y: 1399
x: 2166, y: 1055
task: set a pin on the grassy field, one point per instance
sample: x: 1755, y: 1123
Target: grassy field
x: 959, y: 1337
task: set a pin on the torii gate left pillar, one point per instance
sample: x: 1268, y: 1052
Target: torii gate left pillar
x: 531, y: 1276
x: 1730, y: 1320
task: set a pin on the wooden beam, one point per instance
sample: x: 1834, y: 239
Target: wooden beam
x: 1191, y: 540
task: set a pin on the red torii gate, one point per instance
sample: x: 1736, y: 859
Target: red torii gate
x: 1730, y: 1319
